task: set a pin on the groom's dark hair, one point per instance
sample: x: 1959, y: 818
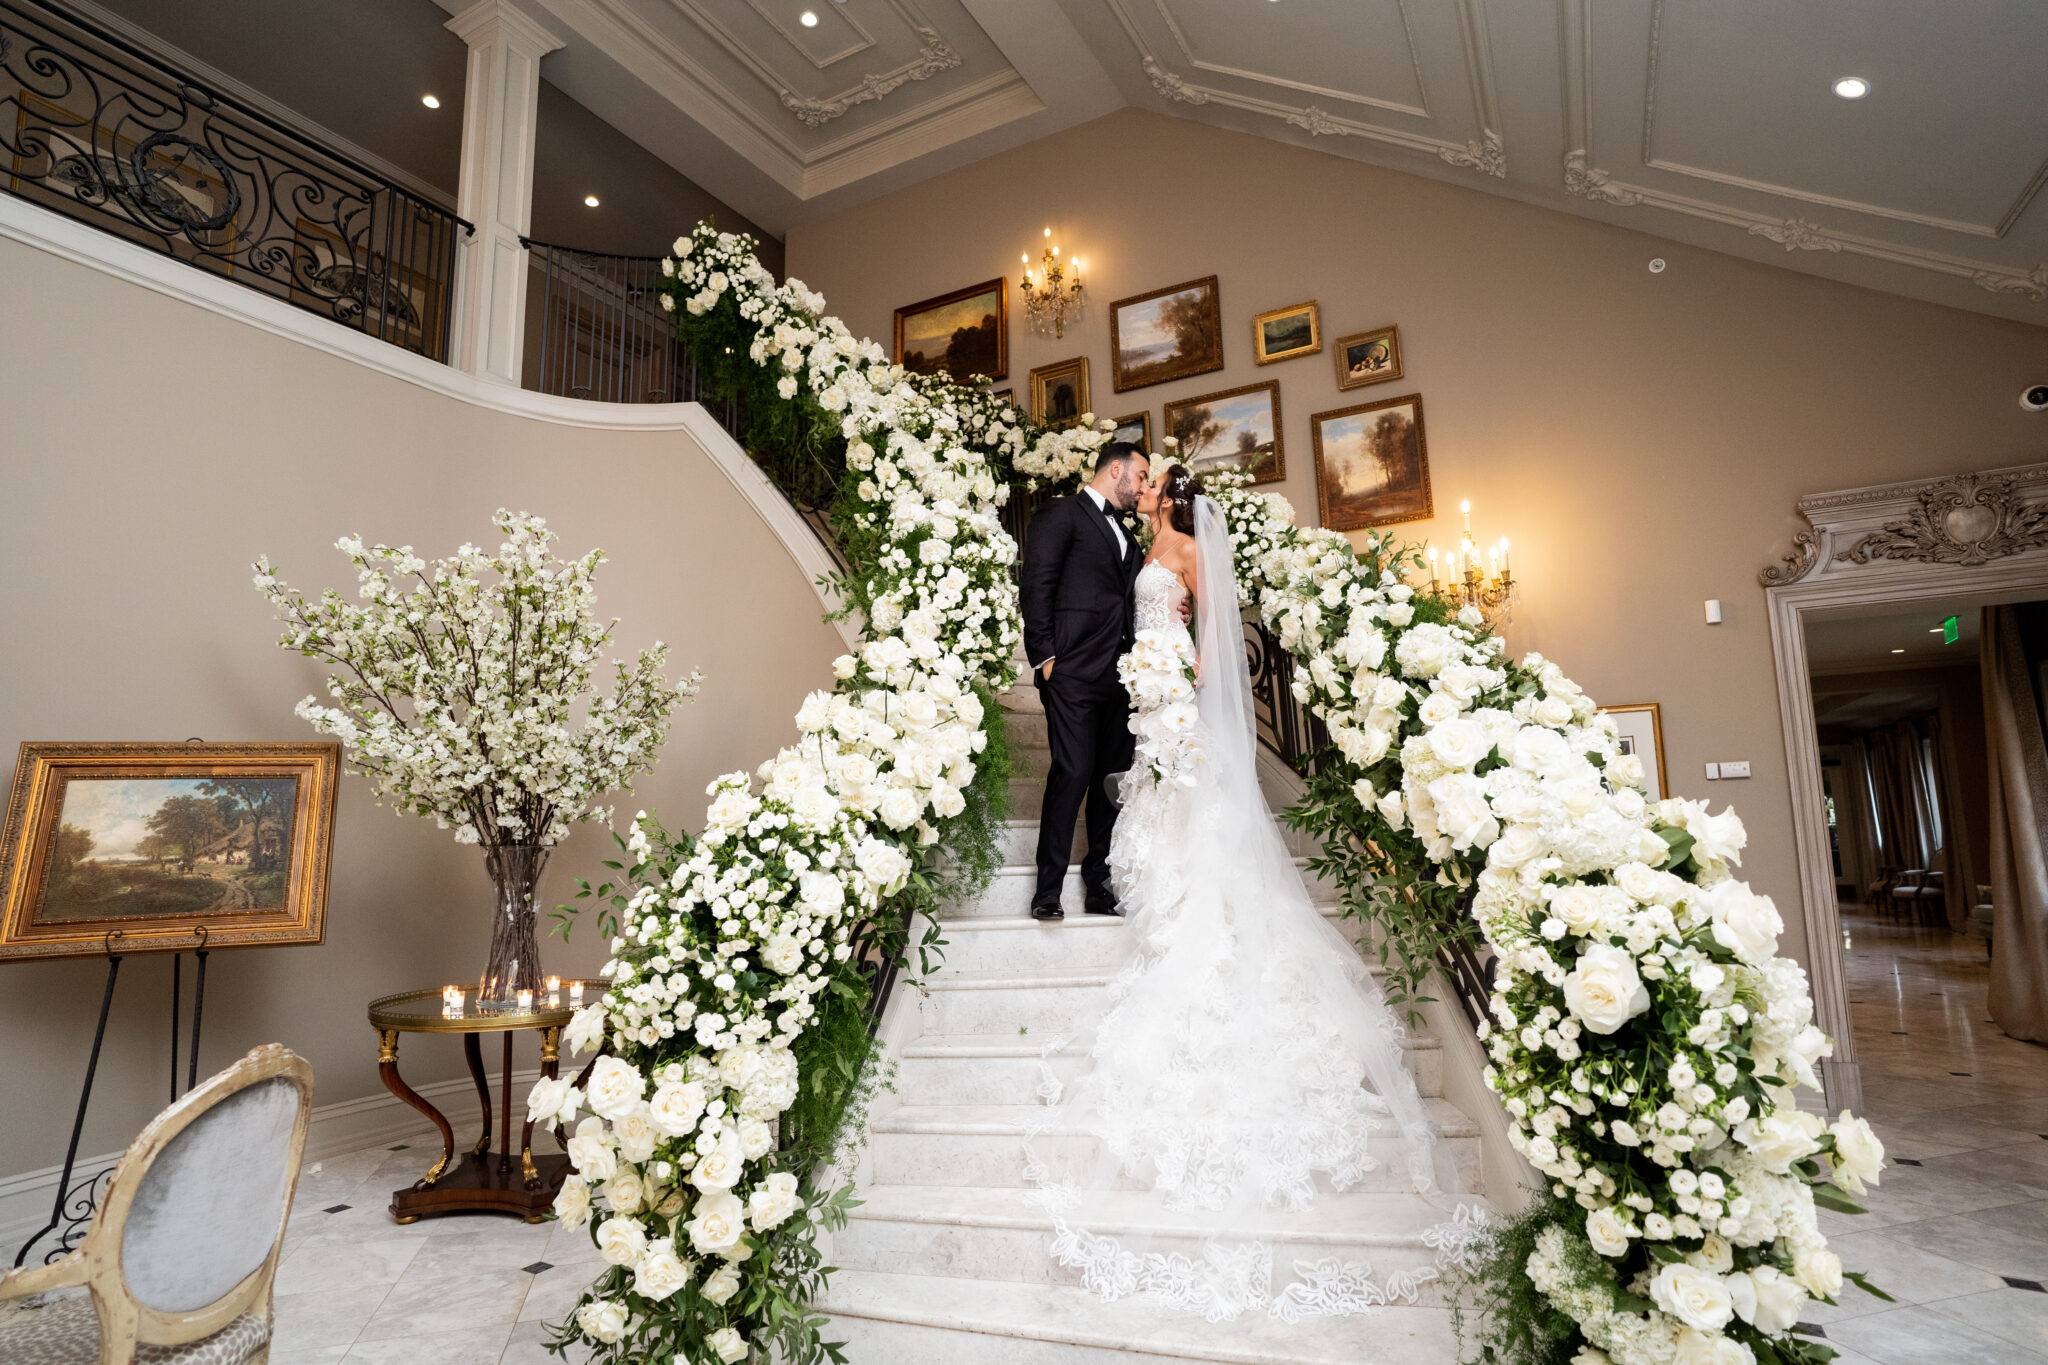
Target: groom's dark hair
x: 1116, y: 452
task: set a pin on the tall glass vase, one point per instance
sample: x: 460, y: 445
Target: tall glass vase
x: 514, y: 963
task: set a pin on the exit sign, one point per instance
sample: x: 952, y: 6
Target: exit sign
x: 1951, y: 630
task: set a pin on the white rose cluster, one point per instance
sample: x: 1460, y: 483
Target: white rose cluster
x: 1063, y: 456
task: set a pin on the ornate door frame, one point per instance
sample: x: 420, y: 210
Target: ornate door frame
x: 1924, y: 540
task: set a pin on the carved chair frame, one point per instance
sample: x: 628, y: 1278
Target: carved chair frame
x: 1927, y: 540
x: 124, y: 1322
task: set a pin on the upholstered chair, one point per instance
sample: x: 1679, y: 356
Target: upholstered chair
x: 179, y: 1261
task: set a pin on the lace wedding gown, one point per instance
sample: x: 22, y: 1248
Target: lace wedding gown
x: 1248, y: 1057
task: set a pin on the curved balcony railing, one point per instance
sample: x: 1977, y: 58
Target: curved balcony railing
x: 99, y: 130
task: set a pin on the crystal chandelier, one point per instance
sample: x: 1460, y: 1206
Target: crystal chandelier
x: 1487, y: 582
x: 1047, y: 303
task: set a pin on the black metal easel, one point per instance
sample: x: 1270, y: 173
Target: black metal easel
x: 83, y: 1200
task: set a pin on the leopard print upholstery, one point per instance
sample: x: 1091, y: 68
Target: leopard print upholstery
x: 67, y: 1332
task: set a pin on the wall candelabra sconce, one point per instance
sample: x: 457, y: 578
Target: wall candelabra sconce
x: 1473, y: 579
x: 1056, y: 294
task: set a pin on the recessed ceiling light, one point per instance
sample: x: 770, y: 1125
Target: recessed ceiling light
x: 1898, y: 651
x: 808, y: 19
x: 431, y: 101
x: 1852, y: 87
x: 590, y: 201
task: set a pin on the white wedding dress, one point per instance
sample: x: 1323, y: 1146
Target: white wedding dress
x: 1248, y: 1057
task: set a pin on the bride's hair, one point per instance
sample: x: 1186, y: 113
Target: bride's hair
x: 1180, y: 489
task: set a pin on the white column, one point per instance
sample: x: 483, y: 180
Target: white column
x: 500, y: 103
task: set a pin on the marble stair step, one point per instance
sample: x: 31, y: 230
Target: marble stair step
x: 1081, y: 942
x: 925, y: 1320
x: 995, y: 1068
x: 996, y: 1234
x: 982, y: 1146
x: 1010, y: 890
x: 1048, y: 1004
x: 1027, y: 729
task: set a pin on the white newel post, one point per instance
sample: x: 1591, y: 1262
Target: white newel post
x: 501, y: 98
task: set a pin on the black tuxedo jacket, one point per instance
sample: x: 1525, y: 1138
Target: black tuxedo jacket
x: 1076, y: 591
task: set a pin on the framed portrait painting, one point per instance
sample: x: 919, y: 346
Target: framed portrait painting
x: 964, y: 335
x: 1059, y: 392
x: 166, y: 846
x: 1372, y: 464
x: 1642, y: 734
x: 1137, y: 429
x: 1235, y: 429
x: 1368, y: 357
x: 1286, y: 333
x: 1168, y: 334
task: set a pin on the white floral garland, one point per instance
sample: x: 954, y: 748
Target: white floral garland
x: 1610, y: 914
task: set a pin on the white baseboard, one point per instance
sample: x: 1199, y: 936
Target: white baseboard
x: 336, y: 1130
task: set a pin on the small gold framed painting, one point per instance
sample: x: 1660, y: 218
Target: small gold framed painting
x: 1235, y: 429
x: 1137, y: 429
x: 963, y: 335
x: 1642, y: 733
x: 1059, y: 392
x: 1372, y: 464
x: 1286, y: 333
x: 1368, y: 357
x: 166, y: 847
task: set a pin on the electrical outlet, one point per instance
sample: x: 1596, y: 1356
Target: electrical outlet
x: 1713, y: 772
x: 1736, y: 769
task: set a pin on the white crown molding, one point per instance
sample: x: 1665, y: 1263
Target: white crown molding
x: 1189, y: 59
x: 527, y: 34
x: 1486, y: 154
x: 1584, y: 178
x: 74, y: 241
x: 997, y: 99
x: 205, y: 74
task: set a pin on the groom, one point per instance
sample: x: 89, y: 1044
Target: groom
x: 1079, y: 567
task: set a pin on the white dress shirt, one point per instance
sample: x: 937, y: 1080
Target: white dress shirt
x: 1115, y: 524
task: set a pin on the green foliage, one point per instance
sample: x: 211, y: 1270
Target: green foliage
x: 1496, y: 1308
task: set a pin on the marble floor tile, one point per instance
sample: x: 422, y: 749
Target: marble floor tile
x: 1925, y: 1336
x: 1902, y: 1266
x: 479, y: 1302
x: 555, y: 1291
x: 2019, y: 1316
x: 1987, y: 1246
x: 321, y: 1318
x: 527, y: 1348
x: 322, y: 1265
x: 476, y: 1346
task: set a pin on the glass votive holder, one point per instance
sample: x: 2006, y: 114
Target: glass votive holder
x: 525, y: 999
x: 575, y: 992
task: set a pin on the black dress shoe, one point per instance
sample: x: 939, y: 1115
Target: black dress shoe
x: 1102, y: 902
x: 1048, y: 910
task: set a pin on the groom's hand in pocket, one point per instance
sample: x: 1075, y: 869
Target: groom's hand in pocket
x: 1047, y: 669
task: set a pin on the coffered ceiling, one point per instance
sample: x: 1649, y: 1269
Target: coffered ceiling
x: 1713, y: 122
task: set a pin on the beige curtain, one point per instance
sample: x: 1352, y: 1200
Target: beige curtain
x: 1903, y: 799
x: 2019, y: 803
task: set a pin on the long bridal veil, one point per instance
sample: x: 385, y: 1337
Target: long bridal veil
x: 1248, y: 1067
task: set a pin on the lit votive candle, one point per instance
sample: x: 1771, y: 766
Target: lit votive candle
x: 554, y: 984
x: 525, y: 1001
x: 575, y: 992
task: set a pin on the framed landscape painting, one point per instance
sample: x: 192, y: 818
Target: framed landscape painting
x: 1059, y: 392
x: 1642, y: 734
x: 1368, y: 357
x: 1167, y: 334
x: 1235, y: 429
x: 163, y: 847
x: 1285, y: 333
x: 1372, y: 464
x: 964, y: 335
x: 1137, y: 429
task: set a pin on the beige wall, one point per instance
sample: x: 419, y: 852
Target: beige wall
x: 150, y: 450
x: 1642, y: 438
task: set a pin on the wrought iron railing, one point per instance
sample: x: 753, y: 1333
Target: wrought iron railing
x: 102, y: 131
x: 596, y: 330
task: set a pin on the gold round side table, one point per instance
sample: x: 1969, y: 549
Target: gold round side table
x: 481, y: 1181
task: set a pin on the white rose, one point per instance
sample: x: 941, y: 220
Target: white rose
x: 729, y: 1344
x: 782, y: 954
x: 1554, y: 712
x: 1605, y: 991
x: 900, y: 808
x: 1439, y: 707
x: 602, y: 1320
x: 1820, y: 1270
x: 636, y: 1134
x: 591, y: 1151
x: 1714, y: 1254
x: 756, y: 1139
x: 1710, y: 1348
x: 1778, y: 1140
x: 1608, y: 1232
x: 572, y: 1202
x: 1578, y: 907
x: 1517, y: 846
x: 774, y: 1201
x: 586, y: 1028
x: 1744, y: 923
x: 1766, y: 1299
x: 552, y: 1101
x: 720, y: 1168
x: 615, y: 1087
x: 1625, y: 770
x: 1695, y: 1297
x: 625, y: 1190
x: 1640, y: 881
x: 660, y: 1272
x: 1460, y: 743
x: 1424, y: 650
x: 1858, y: 1156
x: 676, y: 1107
x: 621, y: 1240
x: 1462, y: 812
x: 722, y: 1283
x: 1808, y: 1046
x: 719, y: 1222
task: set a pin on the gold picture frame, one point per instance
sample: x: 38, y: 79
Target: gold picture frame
x: 1287, y: 333
x: 163, y: 846
x: 1166, y: 334
x: 1059, y: 392
x: 1642, y: 734
x: 1368, y: 357
x: 1237, y: 428
x: 1372, y: 464
x: 958, y: 316
x: 1136, y: 428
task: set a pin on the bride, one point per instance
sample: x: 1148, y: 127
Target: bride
x: 1248, y: 1057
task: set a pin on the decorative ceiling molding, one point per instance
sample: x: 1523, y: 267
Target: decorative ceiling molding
x: 1486, y: 154
x: 1655, y: 162
x: 1960, y: 519
x: 932, y: 58
x: 1585, y: 179
x: 841, y: 14
x: 1188, y: 58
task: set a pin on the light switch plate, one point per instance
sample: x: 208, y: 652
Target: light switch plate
x: 1739, y: 768
x: 1713, y: 772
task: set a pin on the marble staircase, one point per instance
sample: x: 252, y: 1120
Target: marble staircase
x: 945, y: 1263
